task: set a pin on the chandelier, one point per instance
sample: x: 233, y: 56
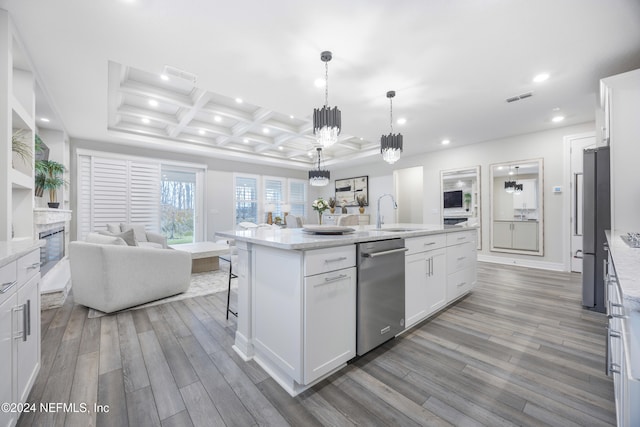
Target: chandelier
x: 517, y: 188
x: 391, y: 145
x: 326, y: 121
x: 319, y: 177
x: 509, y: 184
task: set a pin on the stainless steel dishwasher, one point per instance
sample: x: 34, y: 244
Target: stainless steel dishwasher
x: 380, y: 297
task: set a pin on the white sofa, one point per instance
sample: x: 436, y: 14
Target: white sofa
x: 109, y: 275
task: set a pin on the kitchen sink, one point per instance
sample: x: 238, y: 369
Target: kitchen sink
x: 396, y: 230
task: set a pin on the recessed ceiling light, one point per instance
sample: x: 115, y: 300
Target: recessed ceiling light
x: 246, y: 141
x: 401, y: 121
x: 445, y: 141
x: 201, y: 131
x: 499, y: 168
x: 291, y: 116
x: 145, y: 121
x: 44, y: 119
x: 239, y: 100
x: 164, y: 77
x: 361, y: 139
x: 540, y: 78
x: 319, y: 82
x: 153, y: 102
x: 217, y: 118
x: 557, y: 119
x: 280, y: 148
x: 310, y: 154
x: 265, y: 130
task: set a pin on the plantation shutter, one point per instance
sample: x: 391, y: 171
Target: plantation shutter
x: 117, y: 191
x: 298, y: 197
x: 273, y: 193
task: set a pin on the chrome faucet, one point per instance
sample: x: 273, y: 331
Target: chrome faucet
x: 378, y: 216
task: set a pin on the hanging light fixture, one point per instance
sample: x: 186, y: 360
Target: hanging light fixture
x: 319, y: 177
x: 509, y: 184
x: 391, y: 145
x: 326, y: 121
x: 517, y: 188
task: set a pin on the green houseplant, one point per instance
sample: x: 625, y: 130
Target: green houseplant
x: 49, y: 177
x: 19, y: 146
x: 467, y: 200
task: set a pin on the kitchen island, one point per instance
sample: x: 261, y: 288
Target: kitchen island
x: 297, y: 292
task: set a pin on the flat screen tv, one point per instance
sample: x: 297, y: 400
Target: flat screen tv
x: 453, y: 199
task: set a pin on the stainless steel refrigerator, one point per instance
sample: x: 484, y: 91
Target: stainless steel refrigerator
x: 597, y: 218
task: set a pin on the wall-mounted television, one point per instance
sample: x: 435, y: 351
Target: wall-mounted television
x: 453, y: 199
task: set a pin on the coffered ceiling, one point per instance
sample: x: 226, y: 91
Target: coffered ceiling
x: 453, y: 65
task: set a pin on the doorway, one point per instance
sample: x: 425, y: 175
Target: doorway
x: 408, y: 188
x: 181, y: 204
x: 577, y: 145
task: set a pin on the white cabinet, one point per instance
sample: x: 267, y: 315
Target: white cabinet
x: 19, y: 331
x: 329, y: 322
x: 522, y: 235
x: 526, y: 200
x: 461, y: 264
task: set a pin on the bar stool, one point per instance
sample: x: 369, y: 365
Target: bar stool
x: 229, y: 259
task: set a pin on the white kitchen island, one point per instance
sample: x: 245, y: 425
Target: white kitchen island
x: 297, y: 292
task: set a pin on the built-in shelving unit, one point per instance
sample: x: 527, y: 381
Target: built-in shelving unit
x: 17, y: 112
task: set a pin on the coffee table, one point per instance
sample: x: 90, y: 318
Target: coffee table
x: 204, y: 255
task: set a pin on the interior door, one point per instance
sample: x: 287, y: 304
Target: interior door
x: 578, y: 146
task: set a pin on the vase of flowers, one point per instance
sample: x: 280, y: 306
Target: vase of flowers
x: 362, y: 201
x: 332, y: 205
x: 320, y: 205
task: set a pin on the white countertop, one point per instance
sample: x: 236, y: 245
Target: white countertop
x: 295, y: 238
x: 627, y: 263
x: 12, y: 250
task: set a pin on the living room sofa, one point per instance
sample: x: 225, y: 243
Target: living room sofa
x: 109, y: 275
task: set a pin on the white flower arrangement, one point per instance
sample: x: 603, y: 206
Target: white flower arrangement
x: 320, y: 205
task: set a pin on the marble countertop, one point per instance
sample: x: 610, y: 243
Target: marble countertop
x: 12, y: 250
x: 627, y: 263
x: 297, y: 239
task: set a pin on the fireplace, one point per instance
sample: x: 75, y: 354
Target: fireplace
x: 53, y: 250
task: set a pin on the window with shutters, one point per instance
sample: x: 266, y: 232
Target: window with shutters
x: 246, y: 199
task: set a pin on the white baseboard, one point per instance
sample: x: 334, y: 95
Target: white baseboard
x: 543, y: 265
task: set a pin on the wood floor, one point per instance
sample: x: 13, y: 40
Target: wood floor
x: 519, y: 350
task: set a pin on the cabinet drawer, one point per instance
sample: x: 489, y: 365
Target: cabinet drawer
x: 28, y: 266
x: 424, y: 243
x: 460, y: 282
x: 461, y: 237
x: 329, y: 259
x: 8, y: 281
x: 460, y: 257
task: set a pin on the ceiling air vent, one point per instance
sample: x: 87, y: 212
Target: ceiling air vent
x: 180, y: 74
x: 519, y: 97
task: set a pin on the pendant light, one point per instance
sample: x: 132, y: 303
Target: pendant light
x: 319, y: 177
x: 517, y: 188
x: 327, y: 121
x: 391, y: 145
x: 509, y: 185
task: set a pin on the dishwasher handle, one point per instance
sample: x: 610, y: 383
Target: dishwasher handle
x: 383, y: 253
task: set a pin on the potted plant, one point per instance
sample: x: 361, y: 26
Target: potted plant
x: 332, y: 205
x: 362, y: 201
x: 467, y: 200
x: 19, y: 146
x: 49, y: 177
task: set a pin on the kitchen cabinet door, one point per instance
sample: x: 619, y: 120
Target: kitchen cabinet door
x: 329, y: 322
x: 525, y: 235
x: 7, y: 355
x: 416, y: 270
x: 436, y: 286
x: 28, y: 362
x: 502, y: 234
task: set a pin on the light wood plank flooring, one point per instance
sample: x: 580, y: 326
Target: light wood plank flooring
x: 519, y: 350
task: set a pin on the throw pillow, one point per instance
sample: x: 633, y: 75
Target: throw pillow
x: 113, y: 228
x: 104, y: 239
x: 138, y: 229
x: 128, y: 236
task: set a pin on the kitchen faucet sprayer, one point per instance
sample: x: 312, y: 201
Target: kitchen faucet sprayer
x: 378, y: 216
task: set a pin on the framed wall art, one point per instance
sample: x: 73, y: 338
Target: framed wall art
x: 348, y: 190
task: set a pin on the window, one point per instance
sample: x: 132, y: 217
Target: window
x: 246, y: 199
x: 178, y: 205
x: 253, y: 193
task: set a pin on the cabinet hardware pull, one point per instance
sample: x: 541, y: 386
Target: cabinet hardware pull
x: 431, y: 266
x: 383, y: 253
x: 24, y: 322
x: 607, y: 372
x: 461, y: 258
x: 430, y: 243
x: 332, y: 279
x: 462, y: 284
x: 462, y: 238
x: 614, y: 334
x: 615, y: 368
x: 342, y: 258
x: 28, y: 317
x: 20, y: 334
x: 7, y: 286
x: 32, y: 266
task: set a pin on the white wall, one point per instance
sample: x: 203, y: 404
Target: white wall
x: 408, y: 183
x: 547, y: 145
